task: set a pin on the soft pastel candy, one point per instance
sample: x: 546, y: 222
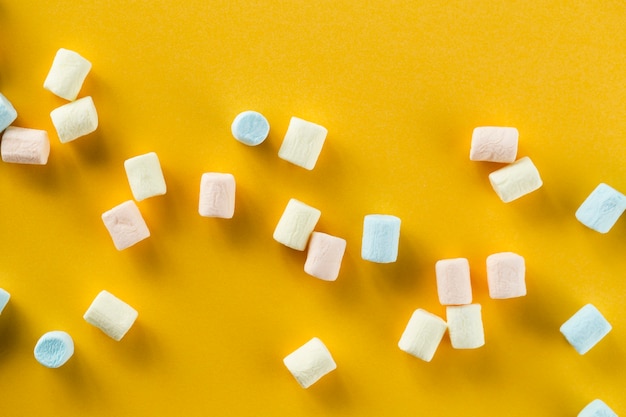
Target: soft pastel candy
x: 506, y: 275
x: 25, y: 146
x: 454, y: 286
x: 74, y: 120
x: 422, y: 335
x: 8, y: 114
x: 602, y: 208
x: 303, y: 143
x: 111, y: 315
x: 324, y: 256
x: 585, y: 328
x: 310, y: 362
x: 494, y: 144
x: 381, y: 238
x: 125, y: 225
x: 145, y: 176
x: 296, y: 224
x: 54, y: 349
x: 217, y: 195
x: 597, y: 408
x: 465, y: 325
x: 516, y: 180
x: 250, y: 128
x: 67, y: 74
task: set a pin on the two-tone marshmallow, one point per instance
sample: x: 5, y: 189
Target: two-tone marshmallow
x: 111, y: 315
x: 516, y: 180
x: 25, y: 146
x: 303, y: 143
x: 125, y: 225
x: 310, y: 362
x: 54, y: 349
x: 381, y: 238
x: 465, y: 326
x: 422, y: 335
x: 494, y: 144
x: 454, y: 286
x: 145, y: 176
x: 217, y: 195
x: 602, y: 208
x: 324, y: 256
x: 75, y: 119
x: 67, y: 74
x: 296, y: 224
x: 585, y: 328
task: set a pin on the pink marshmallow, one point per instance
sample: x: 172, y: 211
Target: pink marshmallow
x: 494, y: 144
x: 505, y: 275
x: 217, y: 195
x: 453, y: 281
x: 125, y: 225
x: 324, y: 256
x: 25, y: 146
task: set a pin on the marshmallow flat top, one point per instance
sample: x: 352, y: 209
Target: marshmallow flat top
x: 602, y: 208
x: 494, y: 144
x: 422, y: 335
x: 111, y: 315
x: 296, y: 224
x: 217, y: 195
x: 324, y: 256
x: 585, y: 328
x: 125, y: 225
x: 303, y: 143
x: 67, y: 74
x: 25, y: 146
x: 54, y: 349
x: 310, y: 362
x: 597, y: 408
x: 74, y: 120
x: 454, y: 285
x: 465, y: 326
x: 4, y: 299
x: 506, y: 275
x: 8, y: 114
x: 250, y: 128
x: 381, y: 238
x: 145, y: 176
x: 516, y: 180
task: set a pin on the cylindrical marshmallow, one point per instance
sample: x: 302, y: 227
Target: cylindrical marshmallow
x: 454, y: 286
x: 67, y: 74
x: 8, y: 114
x: 585, y: 328
x: 4, y: 299
x: 494, y: 144
x: 602, y: 208
x: 25, y: 146
x: 303, y: 143
x: 597, y: 408
x: 465, y: 325
x: 111, y: 315
x: 381, y: 238
x: 75, y: 119
x: 125, y: 225
x: 250, y: 128
x: 54, y: 349
x: 515, y: 180
x: 145, y: 176
x: 310, y: 362
x: 422, y: 335
x: 324, y: 256
x: 296, y: 224
x: 506, y: 275
x: 217, y: 195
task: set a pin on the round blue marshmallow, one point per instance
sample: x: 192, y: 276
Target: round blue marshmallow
x: 4, y: 299
x: 8, y: 114
x: 54, y: 349
x: 381, y: 236
x: 597, y: 408
x: 250, y: 128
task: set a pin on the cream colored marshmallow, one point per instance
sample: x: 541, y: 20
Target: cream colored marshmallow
x: 422, y: 335
x: 75, y: 119
x: 310, y: 362
x: 111, y: 315
x: 296, y: 224
x: 516, y: 180
x: 465, y: 325
x: 303, y: 143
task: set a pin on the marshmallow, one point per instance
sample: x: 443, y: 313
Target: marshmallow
x: 296, y: 224
x: 4, y: 299
x: 111, y: 315
x: 465, y: 325
x: 54, y: 348
x: 381, y: 237
x: 422, y: 335
x: 505, y: 275
x: 324, y: 256
x: 597, y: 408
x: 217, y: 195
x: 310, y: 362
x: 494, y: 144
x: 67, y: 74
x: 585, y: 328
x: 145, y: 176
x: 25, y: 146
x: 453, y: 281
x: 75, y: 119
x: 250, y: 128
x: 125, y: 225
x: 602, y: 208
x: 515, y: 180
x: 8, y: 114
x: 302, y: 143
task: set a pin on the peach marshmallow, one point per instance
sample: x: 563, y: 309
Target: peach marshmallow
x: 324, y: 256
x: 25, y: 146
x: 453, y: 281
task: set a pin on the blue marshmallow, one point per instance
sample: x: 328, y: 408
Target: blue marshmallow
x: 381, y: 236
x: 602, y: 208
x: 597, y: 408
x: 4, y: 299
x: 54, y: 349
x: 7, y: 113
x: 250, y: 128
x: 585, y: 328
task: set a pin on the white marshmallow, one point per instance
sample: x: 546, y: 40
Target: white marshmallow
x: 494, y: 144
x: 111, y: 315
x: 145, y: 176
x: 515, y: 180
x: 422, y: 335
x: 25, y: 146
x: 310, y: 362
x: 296, y: 224
x: 75, y: 119
x: 125, y: 225
x: 67, y: 74
x: 465, y: 324
x: 217, y: 195
x: 303, y: 143
x: 324, y: 256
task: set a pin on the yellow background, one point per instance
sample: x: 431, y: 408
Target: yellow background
x: 400, y: 85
